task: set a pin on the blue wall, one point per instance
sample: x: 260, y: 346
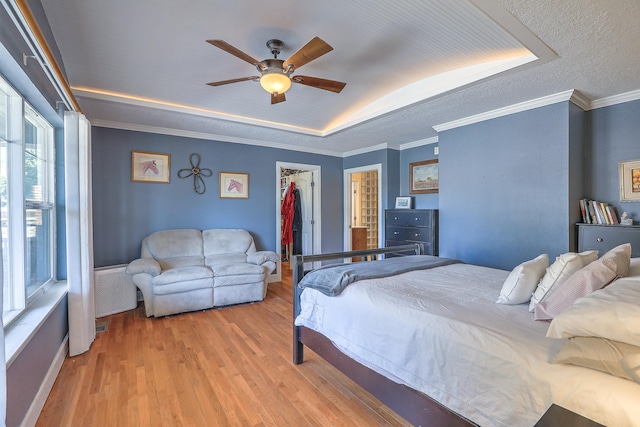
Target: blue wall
x: 612, y: 136
x: 124, y: 211
x: 27, y: 372
x: 504, y: 188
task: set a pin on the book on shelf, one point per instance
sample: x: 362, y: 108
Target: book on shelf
x: 595, y: 212
x: 583, y: 211
x: 612, y: 215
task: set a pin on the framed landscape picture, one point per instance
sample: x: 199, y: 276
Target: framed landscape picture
x: 403, y: 202
x: 630, y: 181
x: 150, y: 167
x: 423, y: 177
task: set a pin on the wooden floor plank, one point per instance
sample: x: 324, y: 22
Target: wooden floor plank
x: 224, y: 367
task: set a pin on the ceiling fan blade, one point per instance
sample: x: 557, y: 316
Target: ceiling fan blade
x: 233, y: 51
x: 330, y: 85
x: 277, y: 97
x: 226, y: 82
x: 307, y: 53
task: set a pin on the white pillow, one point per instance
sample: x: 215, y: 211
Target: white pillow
x: 522, y: 281
x: 564, y: 266
x: 594, y: 276
x: 612, y: 313
x: 615, y: 358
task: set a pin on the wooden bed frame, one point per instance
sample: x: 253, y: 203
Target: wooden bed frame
x: 417, y: 408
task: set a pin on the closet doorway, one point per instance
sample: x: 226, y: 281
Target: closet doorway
x: 307, y: 181
x: 363, y: 207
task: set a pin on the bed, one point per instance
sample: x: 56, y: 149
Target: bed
x: 433, y: 345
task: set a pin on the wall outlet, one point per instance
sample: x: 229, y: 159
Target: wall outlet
x: 436, y: 150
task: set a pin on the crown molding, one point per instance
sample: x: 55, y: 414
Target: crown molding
x: 383, y: 146
x: 419, y: 143
x: 207, y: 136
x: 616, y: 99
x: 505, y: 111
x: 580, y: 100
x: 180, y: 108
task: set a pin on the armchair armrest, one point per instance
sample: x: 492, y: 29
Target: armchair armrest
x: 260, y: 257
x: 143, y: 265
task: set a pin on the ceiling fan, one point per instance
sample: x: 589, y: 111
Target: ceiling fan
x: 275, y: 74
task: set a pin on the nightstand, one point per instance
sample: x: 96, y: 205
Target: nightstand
x: 604, y: 237
x: 557, y: 416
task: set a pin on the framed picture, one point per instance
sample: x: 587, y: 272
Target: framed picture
x: 423, y: 177
x: 630, y: 181
x: 403, y: 202
x: 150, y: 167
x: 234, y: 185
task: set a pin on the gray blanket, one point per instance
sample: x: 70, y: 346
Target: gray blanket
x: 333, y: 279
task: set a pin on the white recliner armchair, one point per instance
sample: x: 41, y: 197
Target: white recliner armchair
x: 187, y: 269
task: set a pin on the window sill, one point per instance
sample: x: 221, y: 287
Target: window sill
x: 18, y: 334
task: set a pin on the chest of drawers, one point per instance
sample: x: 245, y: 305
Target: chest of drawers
x: 605, y: 237
x: 407, y: 226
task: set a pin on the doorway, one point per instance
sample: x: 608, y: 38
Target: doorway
x: 307, y: 181
x: 363, y: 207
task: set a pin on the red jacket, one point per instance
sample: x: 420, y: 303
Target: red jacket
x: 287, y: 214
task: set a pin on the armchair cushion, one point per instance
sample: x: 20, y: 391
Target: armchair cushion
x: 225, y: 241
x: 174, y: 248
x: 261, y: 257
x: 143, y: 265
x: 183, y: 274
x: 236, y: 269
x: 231, y: 258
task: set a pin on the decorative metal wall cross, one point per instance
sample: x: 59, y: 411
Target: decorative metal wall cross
x: 198, y: 182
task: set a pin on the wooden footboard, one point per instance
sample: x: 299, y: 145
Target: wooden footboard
x: 415, y: 407
x: 363, y: 255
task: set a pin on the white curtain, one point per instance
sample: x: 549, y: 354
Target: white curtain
x: 3, y: 364
x: 77, y: 176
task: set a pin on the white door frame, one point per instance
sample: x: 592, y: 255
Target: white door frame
x: 347, y: 202
x: 317, y: 231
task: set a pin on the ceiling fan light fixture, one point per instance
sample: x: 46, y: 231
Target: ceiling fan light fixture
x: 275, y: 82
x: 275, y: 74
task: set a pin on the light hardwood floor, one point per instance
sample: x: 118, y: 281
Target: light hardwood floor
x: 222, y: 367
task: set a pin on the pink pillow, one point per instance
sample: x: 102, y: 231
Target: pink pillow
x: 619, y: 259
x: 594, y: 276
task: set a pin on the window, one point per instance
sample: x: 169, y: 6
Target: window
x: 27, y: 202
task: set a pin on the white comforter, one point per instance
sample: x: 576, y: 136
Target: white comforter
x: 441, y: 332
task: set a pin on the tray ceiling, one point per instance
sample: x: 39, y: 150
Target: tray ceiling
x: 408, y: 65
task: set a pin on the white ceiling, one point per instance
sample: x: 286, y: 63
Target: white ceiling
x: 409, y: 65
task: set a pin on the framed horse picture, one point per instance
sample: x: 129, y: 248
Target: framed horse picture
x: 234, y: 185
x: 150, y: 167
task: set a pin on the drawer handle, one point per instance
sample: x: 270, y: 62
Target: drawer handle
x: 395, y: 217
x: 396, y: 233
x: 600, y: 239
x: 418, y: 219
x: 417, y: 235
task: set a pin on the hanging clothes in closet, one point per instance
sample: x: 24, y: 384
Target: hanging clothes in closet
x: 297, y: 223
x: 287, y: 212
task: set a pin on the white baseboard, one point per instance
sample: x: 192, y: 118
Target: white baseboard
x: 47, y: 384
